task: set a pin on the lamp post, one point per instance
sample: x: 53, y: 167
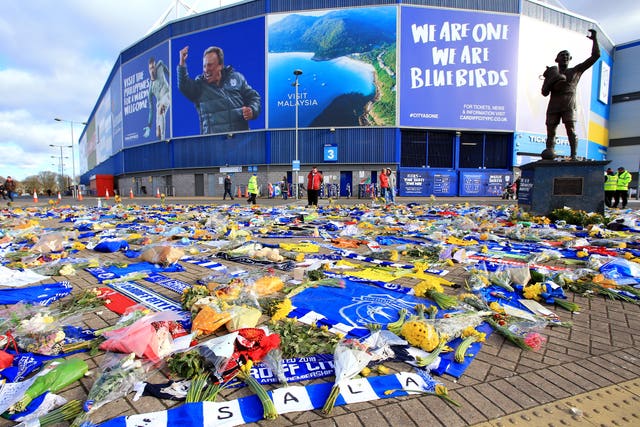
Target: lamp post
x: 73, y: 159
x: 297, y: 73
x: 61, y: 162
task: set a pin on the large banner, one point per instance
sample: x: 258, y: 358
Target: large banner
x: 104, y: 129
x: 214, y: 97
x: 458, y: 69
x: 348, y: 63
x: 82, y: 153
x: 90, y: 146
x: 146, y: 97
x: 116, y: 112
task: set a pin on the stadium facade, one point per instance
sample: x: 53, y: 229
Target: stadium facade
x: 444, y: 92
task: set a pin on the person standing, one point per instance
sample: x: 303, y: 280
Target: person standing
x: 159, y: 98
x: 284, y: 187
x: 10, y: 187
x: 314, y: 181
x: 227, y: 187
x: 392, y: 185
x: 384, y: 185
x: 610, y: 181
x: 224, y: 101
x: 622, y: 188
x: 252, y: 188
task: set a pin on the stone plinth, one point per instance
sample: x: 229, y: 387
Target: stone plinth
x: 546, y: 185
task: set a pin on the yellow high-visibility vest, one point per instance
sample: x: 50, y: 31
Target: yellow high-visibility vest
x: 624, y: 179
x: 610, y: 182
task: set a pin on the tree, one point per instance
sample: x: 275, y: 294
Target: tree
x: 31, y: 184
x: 48, y: 180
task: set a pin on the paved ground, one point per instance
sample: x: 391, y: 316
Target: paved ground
x: 595, y: 361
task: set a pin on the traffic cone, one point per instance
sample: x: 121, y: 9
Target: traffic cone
x: 80, y: 195
x: 106, y: 194
x: 157, y: 193
x: 35, y: 196
x: 239, y: 196
x: 131, y: 193
x: 246, y: 192
x: 59, y: 196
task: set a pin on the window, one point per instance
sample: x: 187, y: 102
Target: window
x: 414, y: 149
x: 440, y: 149
x: 484, y: 150
x: 471, y: 149
x: 497, y: 151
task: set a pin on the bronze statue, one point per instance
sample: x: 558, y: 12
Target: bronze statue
x: 561, y: 82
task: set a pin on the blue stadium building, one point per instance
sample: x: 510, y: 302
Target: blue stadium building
x: 446, y: 93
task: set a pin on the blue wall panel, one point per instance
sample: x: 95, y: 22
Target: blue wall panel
x: 219, y: 17
x: 504, y: 6
x: 161, y: 35
x: 294, y: 5
x: 147, y: 157
x: 357, y: 145
x: 219, y: 150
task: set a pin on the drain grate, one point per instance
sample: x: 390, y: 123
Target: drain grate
x: 616, y: 405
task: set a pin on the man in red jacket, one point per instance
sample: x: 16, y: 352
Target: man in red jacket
x: 314, y: 181
x: 384, y: 185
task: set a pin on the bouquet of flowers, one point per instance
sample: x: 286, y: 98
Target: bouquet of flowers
x: 56, y: 379
x: 469, y: 336
x: 41, y: 330
x: 229, y: 356
x: 119, y: 375
x: 435, y: 292
x: 502, y: 278
x: 349, y: 358
x: 521, y: 333
x: 417, y: 330
x: 149, y: 337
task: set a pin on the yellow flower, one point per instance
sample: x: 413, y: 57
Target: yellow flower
x: 496, y: 307
x: 420, y: 334
x: 67, y: 270
x: 425, y: 286
x: 78, y: 246
x: 282, y: 311
x: 420, y: 267
x: 382, y: 370
x: 582, y: 254
x: 365, y: 372
x: 470, y: 331
x: 246, y: 368
x: 532, y: 291
x: 441, y: 390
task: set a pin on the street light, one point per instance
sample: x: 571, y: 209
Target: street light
x: 61, y: 161
x: 73, y: 159
x: 297, y: 73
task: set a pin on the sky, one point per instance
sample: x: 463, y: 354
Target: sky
x: 55, y: 57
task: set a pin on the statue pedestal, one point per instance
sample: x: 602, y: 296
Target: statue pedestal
x: 546, y: 185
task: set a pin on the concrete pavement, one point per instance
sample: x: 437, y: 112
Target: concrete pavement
x: 574, y: 373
